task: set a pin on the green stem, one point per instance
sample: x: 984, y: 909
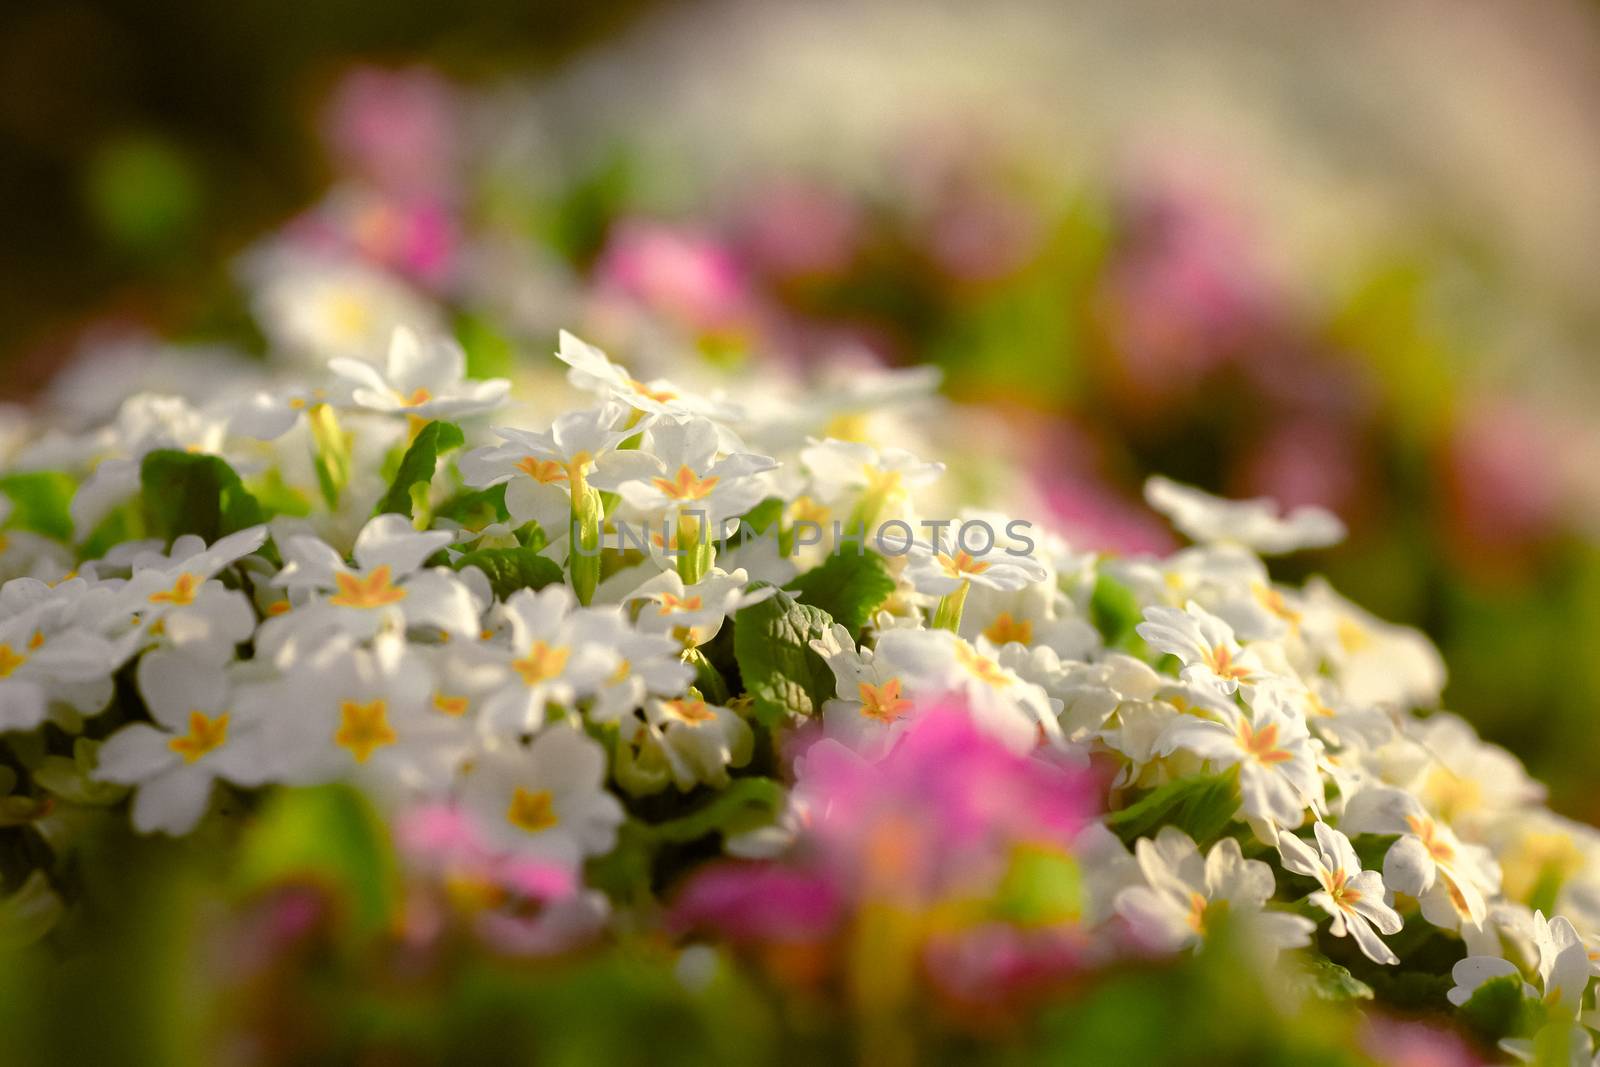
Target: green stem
x: 948, y: 614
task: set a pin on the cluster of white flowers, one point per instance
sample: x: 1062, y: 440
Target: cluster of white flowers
x: 358, y: 627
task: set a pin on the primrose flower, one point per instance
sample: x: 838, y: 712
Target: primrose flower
x: 1452, y: 879
x: 197, y: 737
x: 1255, y: 524
x: 1275, y: 754
x: 1182, y: 890
x: 50, y: 659
x: 145, y: 423
x: 861, y: 485
x: 1564, y: 967
x: 343, y: 711
x: 422, y: 380
x: 649, y: 664
x: 557, y: 655
x: 313, y: 306
x: 681, y: 474
x: 538, y: 467
x: 693, y: 613
x: 1204, y: 644
x: 1354, y: 897
x: 388, y: 582
x: 593, y: 372
x: 936, y: 571
x: 685, y: 740
x: 177, y: 598
x: 546, y: 800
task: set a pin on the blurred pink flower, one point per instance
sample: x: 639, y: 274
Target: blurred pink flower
x: 440, y: 839
x: 1502, y: 477
x: 686, y: 275
x: 996, y: 963
x: 1406, y: 1043
x: 759, y: 903
x: 417, y: 237
x: 1093, y: 517
x: 1301, y: 463
x: 790, y: 229
x: 395, y: 129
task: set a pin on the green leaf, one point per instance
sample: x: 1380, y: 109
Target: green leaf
x: 72, y: 778
x: 1042, y: 886
x: 510, y: 569
x: 762, y: 517
x: 745, y: 804
x: 331, y: 835
x: 418, y: 464
x: 1501, y: 1008
x: 781, y: 672
x: 193, y: 493
x: 476, y: 508
x: 1114, y: 610
x: 29, y: 913
x: 1201, y: 806
x: 41, y: 501
x: 847, y: 586
x: 707, y: 678
x: 1317, y: 976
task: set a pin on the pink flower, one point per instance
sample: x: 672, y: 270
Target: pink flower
x: 1500, y: 476
x: 395, y: 129
x: 758, y: 903
x: 1405, y: 1043
x: 675, y: 271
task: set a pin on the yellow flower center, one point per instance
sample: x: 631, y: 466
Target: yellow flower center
x: 10, y: 660
x: 960, y: 565
x: 981, y: 667
x: 1006, y: 629
x: 1427, y: 831
x: 1223, y: 665
x: 883, y: 702
x: 1344, y: 895
x: 278, y: 607
x: 542, y: 663
x: 805, y: 509
x: 532, y: 810
x: 205, y: 735
x: 685, y: 485
x: 543, y: 471
x: 183, y: 591
x: 689, y: 711
x: 671, y: 603
x: 453, y: 706
x: 364, y: 728
x: 1262, y: 745
x: 376, y: 590
x: 419, y: 397
x: 1197, y: 912
x: 660, y: 396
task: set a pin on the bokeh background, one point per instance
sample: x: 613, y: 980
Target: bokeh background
x: 1338, y: 254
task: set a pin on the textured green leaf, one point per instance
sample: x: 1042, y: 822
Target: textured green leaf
x: 510, y: 569
x: 192, y: 493
x: 783, y: 675
x: 847, y: 586
x: 1320, y: 977
x: 1501, y: 1008
x: 418, y: 464
x: 1201, y: 806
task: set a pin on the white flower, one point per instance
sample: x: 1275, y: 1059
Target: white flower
x: 1354, y: 897
x: 177, y: 598
x: 935, y: 572
x: 593, y: 372
x: 681, y: 474
x: 1036, y: 616
x: 648, y: 665
x: 538, y: 466
x: 145, y: 423
x: 1254, y: 524
x: 1170, y: 910
x: 1564, y: 968
x: 1275, y: 754
x: 546, y: 801
x: 687, y: 740
x: 859, y: 484
x: 197, y: 737
x: 693, y: 613
x: 558, y: 656
x: 315, y: 307
x: 1205, y: 646
x: 48, y: 657
x: 344, y: 711
x: 1374, y: 662
x: 1453, y: 880
x: 388, y: 583
x: 422, y: 380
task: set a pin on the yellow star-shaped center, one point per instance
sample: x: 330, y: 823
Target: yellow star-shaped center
x: 364, y: 728
x: 375, y: 590
x: 206, y: 734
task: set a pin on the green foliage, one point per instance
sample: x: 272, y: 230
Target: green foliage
x: 1201, y: 806
x: 189, y: 493
x: 418, y: 464
x: 41, y: 501
x: 762, y: 517
x: 1042, y: 886
x: 847, y: 586
x: 744, y: 805
x: 1316, y: 975
x: 510, y: 569
x: 329, y: 835
x: 1501, y: 1008
x: 71, y: 778
x: 475, y: 508
x: 29, y: 913
x: 1114, y: 611
x: 783, y: 675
